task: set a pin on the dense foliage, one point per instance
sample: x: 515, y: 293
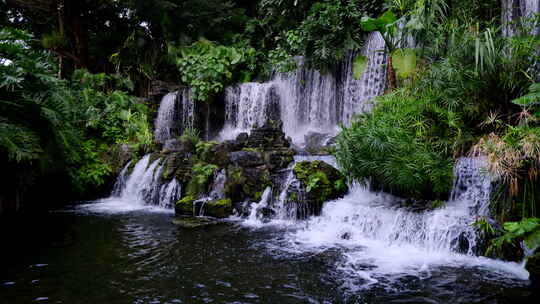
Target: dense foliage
x: 55, y: 126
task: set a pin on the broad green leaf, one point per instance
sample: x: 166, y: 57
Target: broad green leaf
x: 404, y: 61
x: 387, y: 18
x: 533, y: 240
x: 359, y: 65
x: 369, y: 24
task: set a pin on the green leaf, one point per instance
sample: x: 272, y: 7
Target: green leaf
x: 533, y: 240
x: 359, y: 66
x: 369, y: 24
x: 387, y: 18
x: 404, y: 62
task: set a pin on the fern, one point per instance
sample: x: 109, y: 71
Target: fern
x: 530, y: 99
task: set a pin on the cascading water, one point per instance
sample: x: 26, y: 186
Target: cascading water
x: 246, y: 106
x: 513, y: 13
x: 144, y: 186
x: 357, y: 93
x: 306, y: 100
x: 380, y: 239
x: 175, y: 114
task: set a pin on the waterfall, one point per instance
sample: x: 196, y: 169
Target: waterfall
x: 217, y: 189
x: 247, y: 105
x: 307, y: 100
x: 176, y: 113
x: 283, y: 211
x: 514, y: 11
x: 144, y: 185
x: 365, y: 215
x: 382, y: 242
x: 357, y: 93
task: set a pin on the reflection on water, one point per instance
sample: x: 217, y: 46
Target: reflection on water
x: 138, y: 256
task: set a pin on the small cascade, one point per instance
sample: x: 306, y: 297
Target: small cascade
x: 144, y: 185
x: 175, y: 114
x: 357, y: 93
x: 218, y: 186
x: 256, y: 214
x: 363, y: 215
x: 472, y: 185
x: 283, y: 209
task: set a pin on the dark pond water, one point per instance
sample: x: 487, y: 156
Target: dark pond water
x: 141, y: 257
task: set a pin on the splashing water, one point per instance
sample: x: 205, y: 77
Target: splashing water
x: 142, y: 189
x: 381, y: 242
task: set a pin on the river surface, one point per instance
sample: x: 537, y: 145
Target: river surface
x: 113, y: 253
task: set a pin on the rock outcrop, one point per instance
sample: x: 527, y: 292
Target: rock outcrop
x: 247, y: 165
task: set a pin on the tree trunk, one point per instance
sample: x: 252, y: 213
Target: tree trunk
x: 74, y: 22
x: 391, y: 75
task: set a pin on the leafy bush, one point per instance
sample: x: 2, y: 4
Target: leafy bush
x: 404, y: 146
x: 54, y: 126
x: 207, y: 67
x: 201, y: 175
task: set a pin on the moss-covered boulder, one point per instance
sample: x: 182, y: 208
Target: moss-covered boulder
x: 219, y: 208
x: 533, y: 267
x: 185, y: 205
x: 246, y: 184
x: 317, y: 182
x: 322, y: 182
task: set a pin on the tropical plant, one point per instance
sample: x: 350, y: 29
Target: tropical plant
x: 404, y: 146
x: 207, y: 67
x: 526, y: 230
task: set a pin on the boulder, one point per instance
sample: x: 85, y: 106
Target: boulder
x: 185, y: 206
x: 177, y: 165
x: 220, y: 152
x: 246, y: 158
x: 246, y: 184
x: 316, y: 183
x: 242, y: 138
x: 177, y: 145
x: 219, y: 208
x: 317, y: 143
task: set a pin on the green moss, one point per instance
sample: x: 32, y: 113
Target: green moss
x: 322, y: 181
x: 185, y: 205
x: 220, y: 208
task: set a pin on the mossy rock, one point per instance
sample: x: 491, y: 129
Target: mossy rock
x: 533, y: 267
x: 246, y: 183
x: 219, y: 208
x: 185, y: 205
x: 322, y: 182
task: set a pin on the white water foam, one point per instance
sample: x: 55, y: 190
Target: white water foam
x: 143, y: 189
x: 381, y: 241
